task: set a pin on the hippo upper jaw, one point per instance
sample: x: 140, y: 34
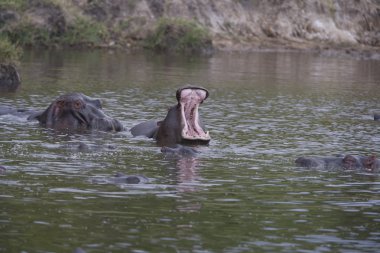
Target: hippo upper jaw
x: 189, y: 100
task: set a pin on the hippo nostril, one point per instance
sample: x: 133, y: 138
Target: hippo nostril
x: 98, y: 103
x: 81, y: 118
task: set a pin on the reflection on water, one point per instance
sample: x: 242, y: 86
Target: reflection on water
x: 242, y: 193
x: 187, y: 173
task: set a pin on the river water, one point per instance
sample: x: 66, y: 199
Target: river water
x: 242, y: 193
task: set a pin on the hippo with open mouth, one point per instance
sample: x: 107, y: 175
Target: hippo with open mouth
x: 182, y: 123
x: 76, y: 111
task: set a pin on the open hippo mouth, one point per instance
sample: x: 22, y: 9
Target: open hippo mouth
x: 189, y: 99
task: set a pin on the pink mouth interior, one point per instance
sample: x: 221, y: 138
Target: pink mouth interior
x: 190, y: 99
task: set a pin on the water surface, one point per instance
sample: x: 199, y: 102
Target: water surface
x: 242, y: 193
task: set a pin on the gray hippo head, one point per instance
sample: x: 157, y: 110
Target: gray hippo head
x: 76, y: 111
x: 369, y: 163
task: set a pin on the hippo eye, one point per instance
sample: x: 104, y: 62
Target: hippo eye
x: 60, y: 103
x: 78, y: 104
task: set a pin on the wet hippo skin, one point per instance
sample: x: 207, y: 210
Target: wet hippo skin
x: 76, y: 111
x: 182, y: 123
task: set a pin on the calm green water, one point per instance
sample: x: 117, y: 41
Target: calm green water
x: 241, y: 194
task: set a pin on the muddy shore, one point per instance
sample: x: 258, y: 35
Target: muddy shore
x: 331, y: 27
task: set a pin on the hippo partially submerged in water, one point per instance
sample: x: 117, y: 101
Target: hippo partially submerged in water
x: 348, y: 162
x: 76, y: 111
x: 182, y: 123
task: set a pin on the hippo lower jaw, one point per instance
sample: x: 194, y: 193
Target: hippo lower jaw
x: 189, y: 102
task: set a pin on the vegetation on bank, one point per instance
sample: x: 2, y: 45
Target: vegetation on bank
x: 82, y: 33
x: 59, y: 23
x: 9, y: 53
x: 13, y: 4
x: 179, y: 35
x: 44, y: 23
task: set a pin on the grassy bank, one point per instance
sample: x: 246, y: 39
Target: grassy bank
x: 49, y: 23
x: 179, y: 35
x: 62, y: 23
x: 9, y: 52
x: 82, y: 33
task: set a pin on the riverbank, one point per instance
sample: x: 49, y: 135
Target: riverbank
x: 335, y: 27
